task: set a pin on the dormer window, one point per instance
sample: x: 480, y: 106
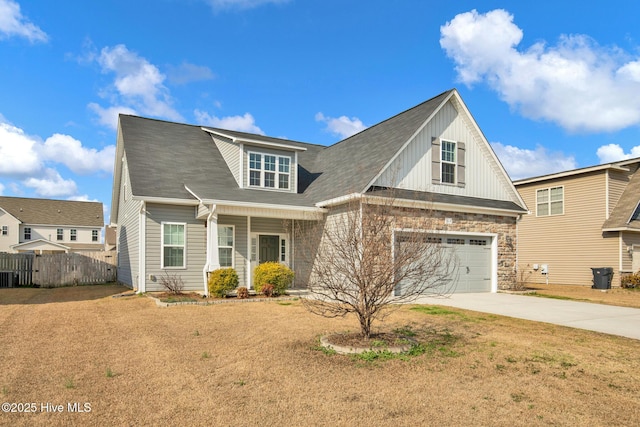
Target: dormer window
x: 269, y: 171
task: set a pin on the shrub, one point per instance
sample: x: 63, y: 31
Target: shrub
x: 243, y: 292
x: 272, y: 273
x: 630, y: 281
x: 172, y: 284
x: 222, y: 281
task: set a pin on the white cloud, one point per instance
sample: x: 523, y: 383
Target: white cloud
x: 18, y: 152
x: 32, y: 161
x: 614, y: 152
x: 12, y: 23
x: 342, y: 126
x: 577, y: 84
x: 1, y: 189
x: 138, y: 86
x: 244, y: 123
x: 523, y: 163
x: 81, y: 160
x: 241, y: 4
x: 187, y: 73
x: 52, y: 185
x: 109, y: 116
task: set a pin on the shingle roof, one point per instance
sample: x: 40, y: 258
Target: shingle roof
x: 54, y: 212
x: 165, y: 156
x: 627, y: 204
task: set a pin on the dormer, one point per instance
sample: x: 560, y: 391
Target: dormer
x: 266, y: 164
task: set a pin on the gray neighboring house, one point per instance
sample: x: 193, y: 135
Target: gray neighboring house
x: 190, y: 199
x: 45, y: 225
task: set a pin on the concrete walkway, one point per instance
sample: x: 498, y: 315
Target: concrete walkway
x: 622, y: 321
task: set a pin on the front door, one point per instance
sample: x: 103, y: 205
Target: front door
x: 268, y: 247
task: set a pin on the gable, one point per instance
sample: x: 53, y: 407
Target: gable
x: 231, y: 154
x: 478, y: 173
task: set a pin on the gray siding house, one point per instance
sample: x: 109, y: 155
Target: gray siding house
x: 190, y: 199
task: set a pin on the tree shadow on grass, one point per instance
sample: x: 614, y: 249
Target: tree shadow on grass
x: 23, y: 295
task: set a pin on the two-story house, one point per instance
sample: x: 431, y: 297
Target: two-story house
x: 190, y: 199
x: 45, y: 225
x: 581, y: 219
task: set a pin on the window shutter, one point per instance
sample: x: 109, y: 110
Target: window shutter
x: 435, y: 160
x: 461, y: 164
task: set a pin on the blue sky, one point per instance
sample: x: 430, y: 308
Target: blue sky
x: 554, y: 85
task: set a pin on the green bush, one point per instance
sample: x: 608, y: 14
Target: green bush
x: 222, y: 281
x: 630, y: 281
x: 272, y: 273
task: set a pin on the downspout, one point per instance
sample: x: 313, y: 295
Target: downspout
x: 142, y: 252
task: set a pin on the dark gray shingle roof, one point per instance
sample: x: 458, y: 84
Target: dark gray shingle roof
x: 54, y: 212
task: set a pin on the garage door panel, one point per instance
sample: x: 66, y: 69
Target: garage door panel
x: 472, y: 255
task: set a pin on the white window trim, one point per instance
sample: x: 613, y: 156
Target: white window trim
x: 263, y: 171
x: 24, y: 233
x: 4, y: 230
x: 549, y: 201
x: 233, y: 246
x: 73, y: 235
x: 58, y: 235
x: 95, y: 233
x: 454, y: 163
x: 184, y: 246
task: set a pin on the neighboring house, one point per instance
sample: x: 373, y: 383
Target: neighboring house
x: 189, y: 199
x: 110, y: 238
x: 581, y: 219
x: 44, y: 225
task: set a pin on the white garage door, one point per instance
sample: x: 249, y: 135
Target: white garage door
x: 472, y: 260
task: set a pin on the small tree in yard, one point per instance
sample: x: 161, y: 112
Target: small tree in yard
x: 173, y: 284
x: 364, y: 260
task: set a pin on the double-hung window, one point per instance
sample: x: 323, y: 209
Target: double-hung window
x: 59, y: 234
x: 5, y: 230
x: 94, y: 235
x: 27, y: 233
x: 73, y: 234
x: 550, y: 201
x: 269, y: 171
x: 173, y: 245
x: 225, y: 245
x: 448, y: 162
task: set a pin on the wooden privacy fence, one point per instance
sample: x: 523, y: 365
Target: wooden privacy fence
x: 60, y: 269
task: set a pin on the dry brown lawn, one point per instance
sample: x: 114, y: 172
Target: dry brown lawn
x: 616, y: 296
x: 258, y: 363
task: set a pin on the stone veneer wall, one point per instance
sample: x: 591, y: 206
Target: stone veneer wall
x: 503, y: 226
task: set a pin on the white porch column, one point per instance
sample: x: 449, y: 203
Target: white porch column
x: 212, y: 259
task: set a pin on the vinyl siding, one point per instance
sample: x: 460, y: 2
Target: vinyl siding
x: 231, y: 154
x: 195, y: 254
x: 240, y: 244
x: 128, y: 234
x: 572, y: 243
x: 268, y: 225
x: 628, y: 241
x: 12, y: 237
x: 483, y: 175
x: 617, y: 183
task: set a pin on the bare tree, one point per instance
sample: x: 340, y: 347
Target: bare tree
x: 367, y: 256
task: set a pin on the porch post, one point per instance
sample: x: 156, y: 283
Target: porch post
x: 212, y: 258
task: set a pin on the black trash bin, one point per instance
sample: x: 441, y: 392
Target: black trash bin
x: 602, y: 277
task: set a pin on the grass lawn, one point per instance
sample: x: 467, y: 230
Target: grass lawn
x: 259, y: 364
x: 616, y: 296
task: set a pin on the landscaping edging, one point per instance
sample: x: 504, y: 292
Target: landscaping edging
x: 340, y: 349
x: 160, y: 303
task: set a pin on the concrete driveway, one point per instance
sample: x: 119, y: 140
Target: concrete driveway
x: 622, y: 321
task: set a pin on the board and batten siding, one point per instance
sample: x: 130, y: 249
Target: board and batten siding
x: 412, y: 168
x: 195, y: 251
x: 573, y: 243
x: 231, y: 154
x: 128, y: 233
x: 240, y: 237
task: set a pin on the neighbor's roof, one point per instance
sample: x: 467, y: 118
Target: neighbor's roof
x: 164, y: 157
x: 54, y: 212
x: 621, y: 215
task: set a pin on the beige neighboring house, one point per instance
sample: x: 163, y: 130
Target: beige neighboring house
x: 45, y: 226
x: 581, y: 219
